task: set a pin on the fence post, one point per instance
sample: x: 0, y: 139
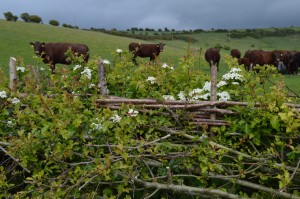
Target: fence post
x: 12, y: 74
x: 213, y: 88
x: 102, y: 83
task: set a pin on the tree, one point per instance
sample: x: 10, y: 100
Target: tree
x: 54, y: 22
x: 35, y: 19
x: 25, y: 16
x: 10, y: 17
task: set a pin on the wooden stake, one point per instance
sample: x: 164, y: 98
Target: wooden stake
x: 12, y: 74
x: 102, y: 83
x: 213, y: 89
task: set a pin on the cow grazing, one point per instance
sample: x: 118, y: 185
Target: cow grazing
x: 295, y: 63
x: 282, y: 60
x: 54, y: 53
x: 244, y: 61
x: 235, y: 53
x: 212, y: 56
x: 259, y: 57
x: 145, y: 50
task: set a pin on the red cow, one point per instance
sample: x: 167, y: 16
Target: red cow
x: 54, y: 53
x: 259, y: 57
x: 235, y: 53
x: 145, y: 50
x: 212, y: 56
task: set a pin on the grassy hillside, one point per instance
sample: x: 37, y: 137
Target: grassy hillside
x: 16, y: 36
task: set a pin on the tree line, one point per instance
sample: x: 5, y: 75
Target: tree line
x: 26, y: 17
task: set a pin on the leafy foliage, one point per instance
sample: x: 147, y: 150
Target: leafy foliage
x: 60, y: 143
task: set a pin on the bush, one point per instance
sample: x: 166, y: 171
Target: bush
x: 54, y: 22
x: 59, y: 140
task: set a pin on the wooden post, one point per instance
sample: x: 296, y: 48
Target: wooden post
x: 12, y: 74
x: 213, y: 88
x: 102, y: 83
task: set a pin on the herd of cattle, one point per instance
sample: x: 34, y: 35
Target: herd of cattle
x: 285, y: 61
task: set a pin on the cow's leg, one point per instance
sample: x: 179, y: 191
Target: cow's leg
x: 134, y: 60
x: 52, y: 66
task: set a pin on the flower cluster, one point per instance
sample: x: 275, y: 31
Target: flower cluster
x: 87, y: 72
x: 116, y: 118
x: 105, y: 61
x: 20, y: 68
x: 119, y: 51
x: 168, y: 97
x: 167, y: 66
x: 3, y: 94
x: 132, y: 113
x: 152, y: 80
x: 234, y: 76
x: 15, y: 100
x: 77, y: 67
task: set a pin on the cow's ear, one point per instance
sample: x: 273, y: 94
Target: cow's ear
x: 43, y: 44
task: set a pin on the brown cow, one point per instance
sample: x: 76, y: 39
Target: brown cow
x: 295, y: 63
x: 212, y: 56
x: 145, y: 50
x: 54, y: 53
x: 246, y: 62
x: 259, y: 57
x: 235, y: 53
x: 282, y: 60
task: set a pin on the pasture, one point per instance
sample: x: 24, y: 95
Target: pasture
x: 16, y: 36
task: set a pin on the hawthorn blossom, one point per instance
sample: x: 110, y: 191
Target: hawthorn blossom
x: 132, y: 113
x: 119, y: 51
x: 168, y: 97
x: 207, y: 86
x: 3, y: 94
x: 182, y: 96
x: 20, y: 68
x: 151, y: 80
x: 116, y: 118
x: 233, y: 75
x: 10, y: 124
x: 76, y: 67
x: 167, y: 66
x: 15, y: 100
x: 221, y: 83
x: 224, y: 96
x: 87, y: 72
x: 92, y: 85
x: 105, y: 61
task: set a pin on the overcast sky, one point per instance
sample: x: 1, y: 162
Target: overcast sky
x: 177, y: 14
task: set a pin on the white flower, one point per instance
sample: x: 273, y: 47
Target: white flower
x: 20, y: 68
x: 207, y: 86
x: 3, y: 94
x: 96, y: 126
x: 221, y: 83
x: 116, y: 118
x: 133, y: 113
x: 92, y: 85
x: 105, y: 61
x: 15, y: 100
x: 224, y: 96
x: 151, y: 80
x: 119, y: 51
x: 233, y: 75
x: 76, y: 67
x: 168, y: 97
x: 235, y: 83
x: 182, y: 96
x: 205, y: 96
x: 10, y: 124
x: 42, y: 69
x: 165, y: 65
x: 87, y: 72
x: 64, y: 76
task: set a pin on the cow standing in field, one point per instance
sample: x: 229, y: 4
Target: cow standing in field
x: 54, y: 53
x: 259, y: 57
x: 235, y: 53
x: 212, y: 56
x: 295, y: 63
x: 145, y: 50
x: 282, y: 60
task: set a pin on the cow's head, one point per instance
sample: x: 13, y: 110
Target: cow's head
x: 38, y: 47
x: 160, y: 47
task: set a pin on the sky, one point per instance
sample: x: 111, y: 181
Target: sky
x: 160, y: 14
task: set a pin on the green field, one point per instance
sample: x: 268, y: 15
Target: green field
x: 16, y: 36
